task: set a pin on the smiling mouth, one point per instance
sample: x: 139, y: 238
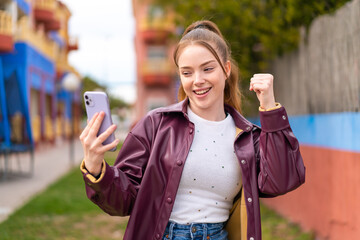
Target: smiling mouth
x: 202, y: 92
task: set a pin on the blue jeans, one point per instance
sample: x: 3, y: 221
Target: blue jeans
x: 195, y: 231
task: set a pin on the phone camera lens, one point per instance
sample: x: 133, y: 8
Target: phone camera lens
x: 87, y: 103
x: 86, y: 97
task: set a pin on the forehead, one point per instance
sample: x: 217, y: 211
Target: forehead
x: 195, y: 54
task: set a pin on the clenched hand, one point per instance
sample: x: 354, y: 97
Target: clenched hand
x: 262, y: 85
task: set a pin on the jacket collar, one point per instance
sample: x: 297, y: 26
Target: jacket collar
x: 177, y: 107
x: 181, y: 107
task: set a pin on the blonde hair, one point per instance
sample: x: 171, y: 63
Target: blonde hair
x: 207, y: 34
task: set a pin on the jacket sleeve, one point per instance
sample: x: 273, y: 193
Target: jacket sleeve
x: 279, y: 162
x: 116, y: 189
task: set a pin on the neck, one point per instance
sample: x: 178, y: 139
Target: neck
x: 216, y: 113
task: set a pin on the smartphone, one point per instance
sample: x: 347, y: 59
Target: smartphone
x: 96, y: 102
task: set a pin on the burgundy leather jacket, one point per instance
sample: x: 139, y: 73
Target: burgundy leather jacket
x: 146, y: 175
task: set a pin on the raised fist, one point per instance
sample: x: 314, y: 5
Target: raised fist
x: 262, y: 85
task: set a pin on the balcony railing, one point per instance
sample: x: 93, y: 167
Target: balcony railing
x: 160, y: 23
x: 5, y: 23
x: 37, y: 39
x: 44, y: 10
x: 62, y: 64
x: 73, y: 44
x: 157, y: 72
x: 45, y: 4
x: 54, y: 24
x: 158, y: 66
x: 156, y: 30
x: 6, y: 38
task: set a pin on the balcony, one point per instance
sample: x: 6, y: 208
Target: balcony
x: 156, y: 73
x: 155, y: 30
x: 37, y: 39
x: 62, y: 65
x: 72, y: 44
x: 6, y: 38
x: 44, y: 10
x: 53, y: 25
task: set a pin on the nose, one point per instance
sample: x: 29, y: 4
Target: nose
x: 198, y: 78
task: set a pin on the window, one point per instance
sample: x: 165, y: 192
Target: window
x: 156, y: 53
x: 154, y: 103
x: 155, y: 12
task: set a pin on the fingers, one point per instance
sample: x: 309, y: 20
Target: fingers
x: 93, y: 144
x: 110, y: 146
x: 97, y: 142
x: 94, y: 128
x: 261, y: 82
x: 102, y: 137
x: 259, y: 86
x: 85, y: 132
x: 262, y: 75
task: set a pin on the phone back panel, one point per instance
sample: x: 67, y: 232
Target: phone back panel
x: 96, y: 102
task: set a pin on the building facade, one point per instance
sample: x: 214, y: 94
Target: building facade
x: 156, y: 75
x: 35, y: 106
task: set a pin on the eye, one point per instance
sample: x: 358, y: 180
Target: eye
x: 208, y: 69
x: 186, y: 73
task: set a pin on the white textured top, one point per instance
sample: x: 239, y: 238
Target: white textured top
x: 211, y: 177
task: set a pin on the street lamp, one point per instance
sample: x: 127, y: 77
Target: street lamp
x: 71, y: 83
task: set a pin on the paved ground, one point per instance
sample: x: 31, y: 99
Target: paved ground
x: 51, y: 162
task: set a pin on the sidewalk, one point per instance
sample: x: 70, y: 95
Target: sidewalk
x: 51, y: 163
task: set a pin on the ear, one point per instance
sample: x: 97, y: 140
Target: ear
x: 227, y: 67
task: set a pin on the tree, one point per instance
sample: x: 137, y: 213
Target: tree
x: 90, y: 84
x: 257, y: 30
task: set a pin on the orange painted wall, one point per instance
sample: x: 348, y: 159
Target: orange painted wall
x: 329, y: 201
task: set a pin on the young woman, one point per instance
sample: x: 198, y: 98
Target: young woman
x: 196, y: 169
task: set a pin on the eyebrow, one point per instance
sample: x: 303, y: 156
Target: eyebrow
x: 201, y: 65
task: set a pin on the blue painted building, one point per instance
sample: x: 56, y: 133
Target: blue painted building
x: 35, y: 108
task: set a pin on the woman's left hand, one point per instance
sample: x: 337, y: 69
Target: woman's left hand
x: 262, y: 85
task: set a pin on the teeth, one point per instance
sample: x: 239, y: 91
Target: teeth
x: 202, y: 91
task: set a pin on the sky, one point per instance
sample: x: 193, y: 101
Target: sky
x: 105, y: 31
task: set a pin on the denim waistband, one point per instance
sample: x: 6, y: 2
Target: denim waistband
x: 197, y: 225
x: 202, y: 231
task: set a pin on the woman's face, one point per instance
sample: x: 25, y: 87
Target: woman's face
x: 203, y: 81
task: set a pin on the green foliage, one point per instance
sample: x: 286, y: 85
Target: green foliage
x: 117, y: 103
x: 257, y: 30
x: 63, y: 212
x: 89, y: 84
x: 274, y: 227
